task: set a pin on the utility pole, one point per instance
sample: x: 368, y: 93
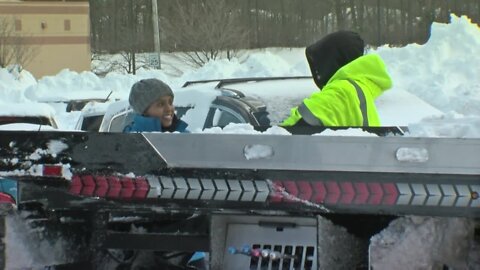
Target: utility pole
x: 156, y: 31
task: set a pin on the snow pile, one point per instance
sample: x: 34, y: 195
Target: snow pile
x: 443, y: 72
x: 422, y: 243
x: 338, y: 249
x: 257, y: 64
x: 31, y: 249
x: 23, y: 109
x: 448, y: 125
x: 233, y: 128
x: 13, y: 84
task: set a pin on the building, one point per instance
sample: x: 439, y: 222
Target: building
x: 57, y: 32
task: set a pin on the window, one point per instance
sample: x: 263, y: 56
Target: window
x: 223, y: 116
x: 66, y: 25
x: 92, y: 123
x: 120, y: 121
x: 117, y: 124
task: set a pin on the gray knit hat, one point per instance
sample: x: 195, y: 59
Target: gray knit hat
x: 145, y: 92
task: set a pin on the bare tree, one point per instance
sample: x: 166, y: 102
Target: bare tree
x: 13, y: 47
x: 205, y: 30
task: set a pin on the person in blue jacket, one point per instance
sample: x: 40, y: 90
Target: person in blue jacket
x: 152, y: 101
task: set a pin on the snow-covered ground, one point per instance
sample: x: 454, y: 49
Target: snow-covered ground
x: 436, y: 92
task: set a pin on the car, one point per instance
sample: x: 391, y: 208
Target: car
x: 79, y: 104
x: 212, y: 106
x: 262, y: 102
x: 91, y: 116
x: 26, y: 116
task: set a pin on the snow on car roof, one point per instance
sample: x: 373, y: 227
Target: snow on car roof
x: 27, y: 127
x: 65, y: 96
x: 26, y: 109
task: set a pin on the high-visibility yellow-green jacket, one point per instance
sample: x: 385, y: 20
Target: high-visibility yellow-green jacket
x: 340, y: 102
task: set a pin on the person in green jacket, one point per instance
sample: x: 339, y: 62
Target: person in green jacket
x: 349, y: 83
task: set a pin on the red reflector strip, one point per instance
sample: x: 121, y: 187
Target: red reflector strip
x: 76, y: 185
x: 52, y: 170
x: 292, y: 190
x: 277, y: 190
x: 88, y: 185
x: 110, y: 186
x: 305, y: 190
x: 127, y: 188
x: 332, y: 192
x: 102, y: 186
x: 114, y: 187
x: 141, y: 188
x: 6, y: 198
x: 320, y: 192
x: 391, y: 193
x: 361, y: 193
x: 348, y: 194
x: 376, y: 193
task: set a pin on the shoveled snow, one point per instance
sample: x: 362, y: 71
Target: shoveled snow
x: 424, y: 243
x: 31, y: 249
x: 246, y: 129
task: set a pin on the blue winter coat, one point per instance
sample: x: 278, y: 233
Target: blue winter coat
x: 152, y: 124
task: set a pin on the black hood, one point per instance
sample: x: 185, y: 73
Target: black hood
x: 332, y: 52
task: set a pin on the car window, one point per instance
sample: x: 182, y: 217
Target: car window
x: 118, y: 123
x: 92, y: 123
x: 222, y: 116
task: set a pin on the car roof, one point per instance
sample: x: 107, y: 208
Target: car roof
x: 94, y: 108
x: 277, y: 94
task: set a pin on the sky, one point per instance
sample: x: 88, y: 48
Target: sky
x: 436, y: 93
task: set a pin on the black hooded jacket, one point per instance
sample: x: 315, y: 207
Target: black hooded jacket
x: 332, y: 52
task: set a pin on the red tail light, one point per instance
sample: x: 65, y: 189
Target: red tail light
x: 52, y: 170
x: 110, y: 186
x: 6, y: 198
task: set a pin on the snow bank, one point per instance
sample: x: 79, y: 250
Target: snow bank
x: 422, y: 243
x: 30, y: 247
x: 443, y: 72
x: 447, y: 125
